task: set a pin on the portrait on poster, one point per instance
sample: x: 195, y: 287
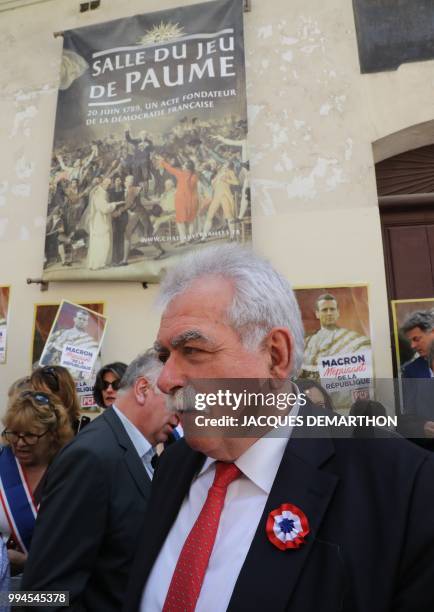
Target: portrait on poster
x: 4, y: 310
x: 337, y: 349
x: 44, y: 317
x: 150, y: 145
x: 75, y: 340
x: 402, y: 311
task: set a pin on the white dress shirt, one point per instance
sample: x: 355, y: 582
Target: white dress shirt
x: 144, y: 449
x: 244, y: 504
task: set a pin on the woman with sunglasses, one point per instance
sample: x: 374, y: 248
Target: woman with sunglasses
x: 36, y: 428
x: 107, y: 383
x: 58, y: 381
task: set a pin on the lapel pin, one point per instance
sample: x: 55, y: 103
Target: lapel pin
x: 287, y: 527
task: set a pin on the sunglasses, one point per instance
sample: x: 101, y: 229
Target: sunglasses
x: 42, y: 399
x: 28, y: 438
x: 114, y: 385
x: 39, y: 396
x: 51, y: 377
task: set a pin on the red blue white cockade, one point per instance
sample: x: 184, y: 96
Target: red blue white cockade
x: 287, y: 527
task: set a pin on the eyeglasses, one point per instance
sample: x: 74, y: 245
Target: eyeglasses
x: 51, y: 377
x: 28, y: 437
x: 114, y: 385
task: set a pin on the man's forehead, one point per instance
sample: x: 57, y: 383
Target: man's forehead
x: 198, y: 311
x: 327, y: 304
x: 415, y: 331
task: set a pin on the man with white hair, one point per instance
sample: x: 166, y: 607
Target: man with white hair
x: 95, y: 497
x: 295, y: 523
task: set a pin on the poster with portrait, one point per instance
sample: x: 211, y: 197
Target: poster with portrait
x: 4, y: 310
x: 74, y: 342
x: 44, y: 317
x: 337, y: 341
x: 402, y: 310
x: 150, y: 145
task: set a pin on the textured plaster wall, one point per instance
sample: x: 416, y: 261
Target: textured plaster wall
x: 313, y: 119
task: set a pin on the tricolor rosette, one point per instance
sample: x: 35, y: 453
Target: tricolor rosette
x: 287, y: 527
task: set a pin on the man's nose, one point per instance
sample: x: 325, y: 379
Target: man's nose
x: 170, y: 379
x: 20, y: 443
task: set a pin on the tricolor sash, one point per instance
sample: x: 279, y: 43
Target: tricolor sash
x: 16, y: 498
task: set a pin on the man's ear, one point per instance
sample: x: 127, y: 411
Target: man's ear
x: 317, y: 314
x: 141, y: 387
x: 280, y: 346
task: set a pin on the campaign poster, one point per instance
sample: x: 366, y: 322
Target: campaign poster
x: 337, y: 351
x: 150, y: 152
x: 402, y: 310
x: 4, y: 309
x: 74, y: 341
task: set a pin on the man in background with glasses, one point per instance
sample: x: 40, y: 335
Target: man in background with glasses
x: 96, y: 494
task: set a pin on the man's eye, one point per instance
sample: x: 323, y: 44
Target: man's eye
x: 190, y: 350
x: 163, y: 357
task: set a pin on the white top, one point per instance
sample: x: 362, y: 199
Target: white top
x: 244, y: 504
x: 144, y: 449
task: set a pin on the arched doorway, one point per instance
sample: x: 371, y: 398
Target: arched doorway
x: 405, y: 186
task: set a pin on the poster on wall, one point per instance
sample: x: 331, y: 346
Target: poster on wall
x: 150, y: 145
x: 337, y: 351
x: 408, y: 358
x: 81, y: 327
x: 4, y: 309
x: 413, y: 337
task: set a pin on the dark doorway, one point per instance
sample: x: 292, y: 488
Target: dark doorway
x: 405, y: 185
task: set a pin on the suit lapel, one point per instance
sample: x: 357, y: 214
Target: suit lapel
x: 169, y: 493
x: 270, y: 574
x: 132, y: 459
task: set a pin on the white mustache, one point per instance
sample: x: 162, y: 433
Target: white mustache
x: 182, y: 401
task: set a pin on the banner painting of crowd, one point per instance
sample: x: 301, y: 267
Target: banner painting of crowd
x: 337, y: 352
x: 150, y: 145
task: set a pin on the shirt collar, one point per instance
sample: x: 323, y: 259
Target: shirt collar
x: 138, y: 440
x: 261, y: 461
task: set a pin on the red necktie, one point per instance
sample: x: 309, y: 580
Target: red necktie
x: 190, y: 569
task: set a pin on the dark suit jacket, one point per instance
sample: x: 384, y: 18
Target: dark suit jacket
x: 91, y: 514
x: 418, y: 401
x: 416, y: 369
x: 370, y: 505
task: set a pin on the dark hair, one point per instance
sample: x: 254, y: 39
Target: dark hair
x: 117, y: 368
x: 423, y: 319
x: 327, y: 297
x: 189, y: 164
x: 304, y: 384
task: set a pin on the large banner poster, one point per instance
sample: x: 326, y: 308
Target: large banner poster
x: 150, y: 145
x: 4, y: 309
x: 337, y: 349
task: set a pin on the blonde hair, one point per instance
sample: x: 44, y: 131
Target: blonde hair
x: 24, y: 411
x: 21, y: 384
